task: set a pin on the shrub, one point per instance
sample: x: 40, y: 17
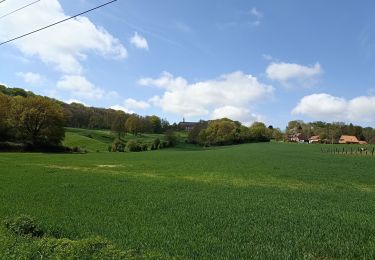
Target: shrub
x: 118, y: 146
x: 144, y: 147
x: 164, y: 144
x: 133, y: 146
x: 76, y: 149
x: 171, y: 138
x: 156, y: 143
x: 23, y: 225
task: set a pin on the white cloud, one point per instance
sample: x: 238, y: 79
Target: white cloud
x: 291, y: 74
x: 240, y: 114
x: 254, y: 12
x: 122, y: 108
x: 79, y: 86
x: 134, y: 104
x: 31, y: 78
x: 230, y: 94
x: 330, y: 108
x: 64, y: 45
x: 130, y: 105
x: 267, y: 57
x: 257, y: 15
x: 72, y: 100
x: 183, y: 27
x: 139, y: 41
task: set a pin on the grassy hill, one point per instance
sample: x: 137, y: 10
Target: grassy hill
x: 268, y: 200
x: 99, y: 140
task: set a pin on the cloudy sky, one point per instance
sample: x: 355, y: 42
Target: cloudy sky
x: 266, y: 60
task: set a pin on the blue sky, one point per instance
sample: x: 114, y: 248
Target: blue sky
x: 273, y: 61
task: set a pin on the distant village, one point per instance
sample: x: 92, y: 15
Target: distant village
x: 315, y: 139
x: 300, y: 137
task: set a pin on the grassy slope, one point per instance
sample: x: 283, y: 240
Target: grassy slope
x: 98, y: 140
x: 256, y: 200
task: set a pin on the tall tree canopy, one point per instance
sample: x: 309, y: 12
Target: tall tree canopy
x: 37, y: 120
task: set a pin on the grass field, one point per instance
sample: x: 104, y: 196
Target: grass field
x: 248, y: 201
x: 98, y: 140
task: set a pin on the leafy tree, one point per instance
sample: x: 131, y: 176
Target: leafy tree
x: 38, y: 120
x: 277, y: 134
x: 133, y: 124
x: 155, y: 122
x: 218, y: 132
x: 193, y: 136
x: 164, y: 125
x: 259, y: 132
x: 4, y: 117
x: 118, y: 125
x: 171, y: 138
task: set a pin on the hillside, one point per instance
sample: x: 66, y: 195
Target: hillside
x: 99, y: 140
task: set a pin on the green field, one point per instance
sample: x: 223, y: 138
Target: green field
x: 247, y: 201
x: 99, y: 140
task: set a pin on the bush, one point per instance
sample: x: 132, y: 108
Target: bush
x: 171, y: 138
x: 118, y: 146
x: 24, y: 225
x: 133, y: 146
x: 164, y: 144
x: 76, y: 149
x: 144, y: 147
x: 156, y: 143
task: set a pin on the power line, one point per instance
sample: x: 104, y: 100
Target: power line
x: 19, y: 9
x: 2, y: 1
x: 61, y: 21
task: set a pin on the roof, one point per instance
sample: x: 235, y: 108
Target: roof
x: 348, y: 139
x: 363, y: 142
x: 314, y: 137
x: 300, y: 136
x: 187, y: 123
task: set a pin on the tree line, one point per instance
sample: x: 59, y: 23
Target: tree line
x: 331, y: 132
x: 226, y: 132
x: 39, y: 121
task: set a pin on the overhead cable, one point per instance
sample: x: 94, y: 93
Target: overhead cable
x: 56, y: 23
x: 19, y: 9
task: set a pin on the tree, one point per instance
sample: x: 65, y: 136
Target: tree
x: 259, y: 132
x: 277, y: 134
x: 133, y: 124
x: 193, y: 136
x: 164, y: 125
x: 38, y: 120
x: 118, y: 125
x: 4, y: 117
x: 219, y: 132
x: 155, y: 122
x: 171, y: 138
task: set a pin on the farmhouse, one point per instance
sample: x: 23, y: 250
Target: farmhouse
x: 299, y: 138
x: 186, y: 126
x: 348, y: 139
x: 315, y: 139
